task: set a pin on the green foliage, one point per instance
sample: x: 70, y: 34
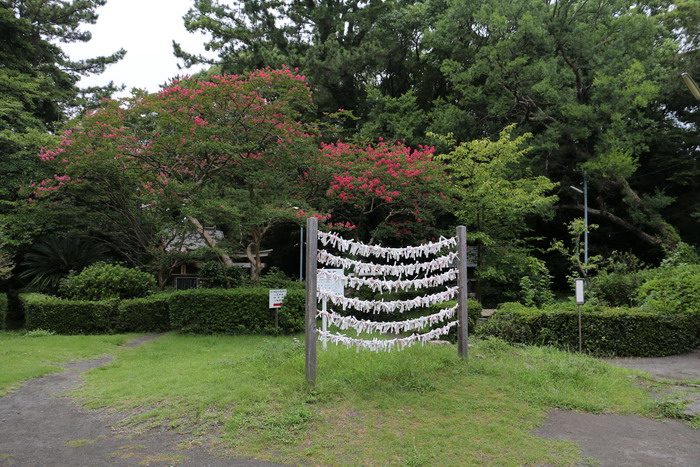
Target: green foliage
x: 617, y: 288
x: 38, y: 90
x: 246, y: 148
x: 38, y: 333
x: 606, y: 332
x: 3, y: 310
x: 69, y: 316
x: 149, y: 314
x: 38, y: 80
x: 575, y: 252
x: 618, y: 280
x: 102, y: 281
x: 672, y: 290
x: 682, y: 254
x: 214, y: 275
x: 536, y: 289
x: 51, y: 260
x: 498, y: 200
x: 235, y: 311
x: 497, y: 197
x: 275, y: 278
x: 6, y: 264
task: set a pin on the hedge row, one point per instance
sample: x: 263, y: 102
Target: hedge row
x: 3, y: 310
x: 609, y: 332
x: 69, y: 316
x: 148, y: 314
x: 203, y: 311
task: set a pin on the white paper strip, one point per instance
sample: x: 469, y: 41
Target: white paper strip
x: 359, y: 248
x: 380, y: 306
x: 382, y: 327
x: 380, y: 285
x: 360, y: 267
x: 377, y: 345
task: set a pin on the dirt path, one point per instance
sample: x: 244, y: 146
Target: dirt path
x: 631, y: 440
x: 39, y: 426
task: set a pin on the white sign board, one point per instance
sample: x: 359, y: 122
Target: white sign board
x: 276, y: 297
x: 579, y: 291
x: 332, y: 285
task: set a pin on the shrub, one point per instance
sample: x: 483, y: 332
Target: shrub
x: 213, y: 275
x: 617, y: 288
x: 275, y: 278
x: 3, y: 310
x: 69, y: 316
x: 618, y: 280
x: 149, y: 314
x: 672, y: 290
x: 607, y: 332
x: 243, y: 310
x: 102, y: 281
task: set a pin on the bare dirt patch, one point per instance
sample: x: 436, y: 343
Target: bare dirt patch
x: 40, y: 425
x: 621, y: 440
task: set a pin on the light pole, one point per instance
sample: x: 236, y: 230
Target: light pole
x: 585, y: 218
x: 694, y: 90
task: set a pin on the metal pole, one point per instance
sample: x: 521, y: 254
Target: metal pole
x: 301, y: 254
x: 580, y: 333
x: 585, y: 220
x: 311, y: 299
x: 463, y: 308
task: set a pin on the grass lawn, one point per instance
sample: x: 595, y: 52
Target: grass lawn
x: 24, y: 357
x: 247, y: 396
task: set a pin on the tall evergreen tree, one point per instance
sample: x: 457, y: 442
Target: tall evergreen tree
x: 37, y: 79
x: 38, y: 86
x: 596, y: 83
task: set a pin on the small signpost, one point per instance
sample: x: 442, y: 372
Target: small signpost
x: 276, y: 297
x: 580, y: 301
x: 332, y: 285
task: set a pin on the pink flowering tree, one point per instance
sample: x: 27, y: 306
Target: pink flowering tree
x: 225, y: 150
x: 386, y: 191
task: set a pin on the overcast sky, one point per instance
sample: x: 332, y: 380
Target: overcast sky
x: 146, y: 29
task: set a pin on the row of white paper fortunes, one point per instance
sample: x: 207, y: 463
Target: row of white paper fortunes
x: 387, y: 345
x: 359, y: 248
x: 363, y: 325
x: 379, y: 285
x: 380, y: 306
x: 363, y: 268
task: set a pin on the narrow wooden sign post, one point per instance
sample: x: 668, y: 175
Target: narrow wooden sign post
x: 311, y: 299
x: 463, y: 303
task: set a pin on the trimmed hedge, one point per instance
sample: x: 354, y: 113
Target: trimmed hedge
x: 232, y: 311
x: 148, y: 314
x: 608, y: 332
x: 69, y: 316
x: 3, y: 310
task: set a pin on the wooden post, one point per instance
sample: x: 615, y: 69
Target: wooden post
x: 463, y: 303
x: 311, y: 299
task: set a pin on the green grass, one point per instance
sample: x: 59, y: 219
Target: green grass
x: 30, y: 355
x: 247, y: 396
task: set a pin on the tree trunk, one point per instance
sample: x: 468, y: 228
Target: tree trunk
x: 226, y: 259
x: 253, y: 252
